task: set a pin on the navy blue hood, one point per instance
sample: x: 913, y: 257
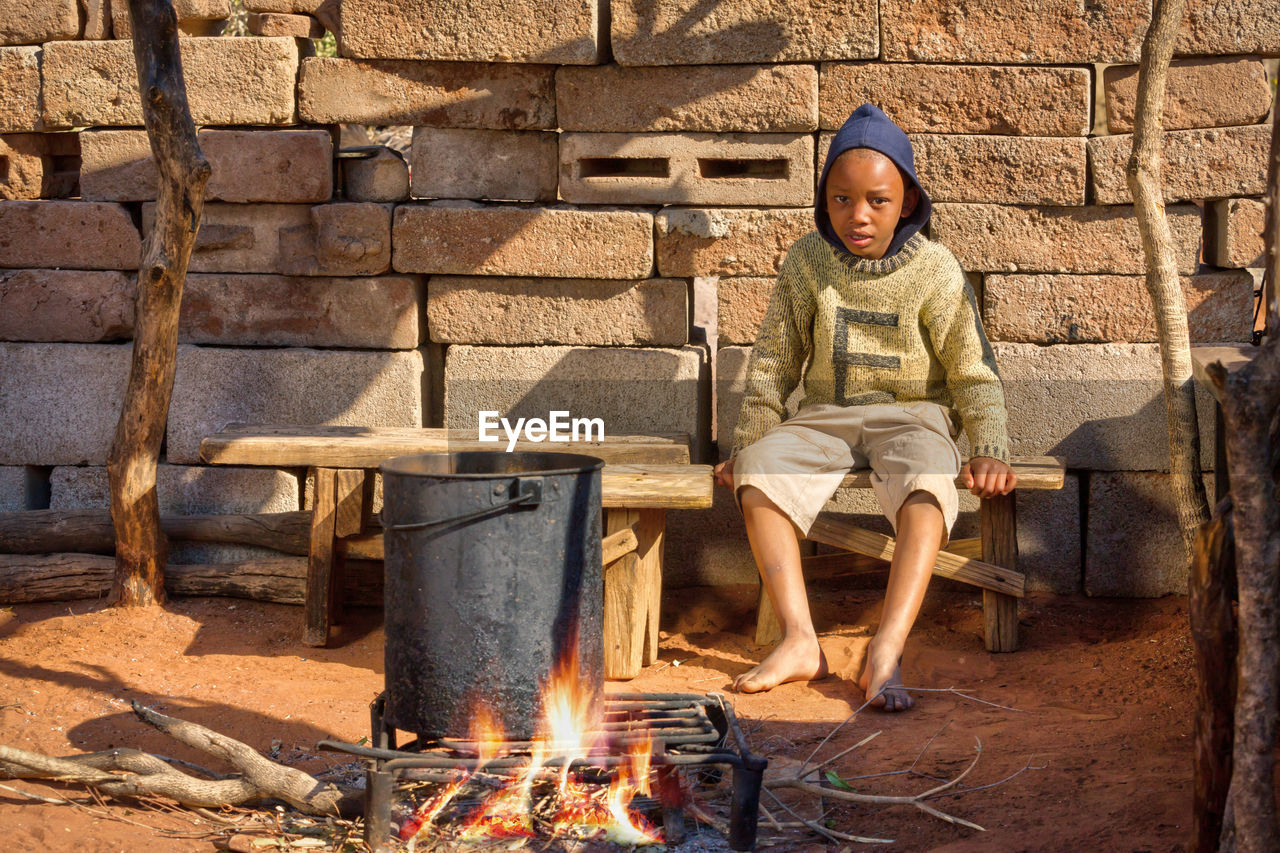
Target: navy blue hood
x: 869, y: 127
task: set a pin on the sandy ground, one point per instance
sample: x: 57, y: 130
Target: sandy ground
x: 1102, y: 691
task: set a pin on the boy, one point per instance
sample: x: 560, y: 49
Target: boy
x: 890, y: 333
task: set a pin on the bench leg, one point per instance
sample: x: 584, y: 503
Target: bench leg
x: 632, y: 588
x: 651, y: 541
x: 998, y: 521
x: 320, y: 573
x: 348, y: 520
x: 768, y: 628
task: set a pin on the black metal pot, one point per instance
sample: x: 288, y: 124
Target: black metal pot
x: 492, y: 575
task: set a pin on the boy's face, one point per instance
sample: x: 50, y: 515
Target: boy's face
x: 865, y: 198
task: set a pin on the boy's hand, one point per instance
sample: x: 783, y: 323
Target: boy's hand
x: 987, y: 477
x: 724, y: 473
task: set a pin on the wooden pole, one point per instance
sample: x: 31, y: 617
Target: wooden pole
x: 1251, y: 404
x: 141, y: 547
x: 89, y: 531
x: 1213, y: 632
x: 1168, y: 304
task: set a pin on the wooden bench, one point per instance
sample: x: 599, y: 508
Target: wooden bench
x: 989, y: 563
x: 643, y: 477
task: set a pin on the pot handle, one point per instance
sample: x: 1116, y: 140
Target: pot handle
x: 530, y: 494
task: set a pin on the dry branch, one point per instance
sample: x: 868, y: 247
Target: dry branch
x: 132, y: 773
x: 917, y: 800
x: 1168, y: 303
x: 141, y: 547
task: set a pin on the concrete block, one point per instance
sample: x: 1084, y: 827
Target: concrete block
x: 229, y: 81
x: 69, y: 234
x: 458, y: 238
x: 992, y: 99
x: 1049, y: 538
x: 26, y: 167
x: 687, y: 168
x: 20, y: 89
x: 1000, y: 238
x: 1212, y: 163
x: 546, y: 31
x: 186, y: 490
x: 727, y: 241
x: 1133, y: 545
x: 195, y: 17
x: 89, y: 306
x: 1230, y: 27
x: 711, y: 98
x: 1022, y: 32
x: 248, y: 165
x: 59, y: 403
x: 1101, y: 406
x: 741, y: 303
x: 508, y: 311
x: 632, y: 390
x: 1198, y: 93
x: 269, y: 165
x: 287, y: 7
x: 97, y: 19
x: 38, y: 21
x: 516, y: 165
x: 731, y: 384
x: 276, y: 24
x: 1016, y: 170
x: 215, y: 387
x: 436, y: 94
x: 287, y: 311
x: 384, y: 177
x: 684, y: 32
x: 1233, y: 232
x: 1053, y: 309
x: 708, y: 547
x: 15, y: 488
x: 1019, y: 170
x: 290, y: 239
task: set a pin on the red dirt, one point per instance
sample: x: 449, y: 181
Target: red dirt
x: 1103, y: 690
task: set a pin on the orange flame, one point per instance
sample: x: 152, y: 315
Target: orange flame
x: 569, y: 731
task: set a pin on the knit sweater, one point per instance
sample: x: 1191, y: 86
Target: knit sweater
x: 897, y: 330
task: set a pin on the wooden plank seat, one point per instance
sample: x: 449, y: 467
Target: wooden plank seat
x: 990, y: 563
x: 643, y: 477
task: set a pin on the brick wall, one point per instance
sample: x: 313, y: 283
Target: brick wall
x: 588, y: 213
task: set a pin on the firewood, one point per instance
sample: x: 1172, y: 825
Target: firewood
x: 131, y: 773
x: 89, y: 531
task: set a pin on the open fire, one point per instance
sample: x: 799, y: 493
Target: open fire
x: 591, y: 772
x: 547, y: 788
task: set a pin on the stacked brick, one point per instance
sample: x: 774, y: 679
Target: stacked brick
x: 581, y: 176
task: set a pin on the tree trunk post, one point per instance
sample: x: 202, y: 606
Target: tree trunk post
x: 1168, y: 304
x: 1251, y: 406
x: 1213, y: 633
x: 141, y: 547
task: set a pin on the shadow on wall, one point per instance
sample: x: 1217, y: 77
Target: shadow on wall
x: 1134, y: 438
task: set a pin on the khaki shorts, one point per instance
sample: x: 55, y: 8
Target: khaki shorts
x: 799, y: 463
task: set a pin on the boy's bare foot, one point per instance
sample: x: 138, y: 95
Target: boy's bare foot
x: 794, y: 659
x: 884, y: 672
